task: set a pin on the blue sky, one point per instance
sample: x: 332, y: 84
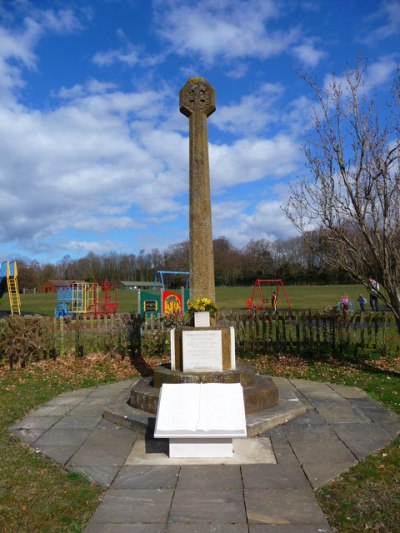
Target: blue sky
x: 93, y: 149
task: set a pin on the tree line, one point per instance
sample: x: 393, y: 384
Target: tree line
x: 290, y: 260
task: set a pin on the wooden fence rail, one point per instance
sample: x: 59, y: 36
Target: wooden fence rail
x: 305, y: 331
x: 297, y: 332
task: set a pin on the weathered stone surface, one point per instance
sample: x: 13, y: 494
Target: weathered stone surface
x: 243, y: 374
x: 207, y: 506
x: 174, y: 527
x: 320, y: 473
x: 270, y: 506
x: 287, y: 528
x: 102, y: 475
x: 138, y: 505
x: 197, y: 102
x: 263, y: 394
x: 105, y: 447
x: 112, y: 527
x: 147, y: 477
x: 210, y: 477
x: 144, y: 396
x: 326, y: 451
x: 260, y: 392
x: 68, y: 437
x: 273, y: 476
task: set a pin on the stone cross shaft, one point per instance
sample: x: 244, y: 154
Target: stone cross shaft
x: 197, y: 102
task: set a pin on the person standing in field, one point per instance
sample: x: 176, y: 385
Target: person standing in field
x: 274, y: 301
x: 362, y: 301
x: 373, y: 293
x: 345, y: 303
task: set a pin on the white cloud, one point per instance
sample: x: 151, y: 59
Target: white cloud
x: 238, y: 71
x: 78, y: 158
x: 308, y: 54
x: 265, y: 221
x: 130, y: 57
x: 387, y: 17
x: 252, y: 113
x: 17, y: 46
x: 229, y: 29
x: 377, y: 74
x: 62, y: 21
x: 96, y: 247
x: 127, y: 54
x: 102, y: 224
x: 252, y: 159
x: 90, y: 87
x: 297, y: 115
x: 226, y: 211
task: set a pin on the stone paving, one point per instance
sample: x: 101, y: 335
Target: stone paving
x: 341, y: 426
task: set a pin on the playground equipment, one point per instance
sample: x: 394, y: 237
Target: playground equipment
x: 165, y: 301
x: 9, y: 282
x: 265, y: 302
x: 163, y: 273
x: 89, y: 299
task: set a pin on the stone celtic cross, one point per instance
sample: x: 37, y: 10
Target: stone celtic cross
x: 197, y: 102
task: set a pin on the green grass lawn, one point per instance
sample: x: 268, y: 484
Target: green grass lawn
x: 300, y: 296
x: 228, y: 298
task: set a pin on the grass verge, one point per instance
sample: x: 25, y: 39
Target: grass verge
x: 37, y: 495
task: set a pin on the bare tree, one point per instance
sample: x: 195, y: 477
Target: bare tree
x: 353, y: 199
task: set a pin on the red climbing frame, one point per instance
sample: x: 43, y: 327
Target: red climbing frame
x: 105, y: 301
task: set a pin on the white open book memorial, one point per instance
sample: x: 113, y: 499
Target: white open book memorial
x: 200, y: 419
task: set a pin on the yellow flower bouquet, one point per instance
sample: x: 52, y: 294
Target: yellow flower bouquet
x: 202, y: 304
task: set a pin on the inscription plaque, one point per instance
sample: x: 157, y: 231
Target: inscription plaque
x: 202, y: 351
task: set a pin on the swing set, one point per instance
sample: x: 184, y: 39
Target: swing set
x: 265, y: 301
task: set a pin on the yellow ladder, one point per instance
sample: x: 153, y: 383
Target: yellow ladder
x: 13, y: 291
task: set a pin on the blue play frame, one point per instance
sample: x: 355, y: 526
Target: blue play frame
x: 161, y: 273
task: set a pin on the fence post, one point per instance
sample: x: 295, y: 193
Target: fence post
x: 277, y: 332
x: 317, y: 331
x: 332, y: 331
x: 61, y: 335
x: 284, y: 341
x: 135, y: 336
x: 297, y: 331
x: 311, y: 330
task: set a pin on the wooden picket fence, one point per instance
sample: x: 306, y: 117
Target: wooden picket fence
x: 89, y: 334
x: 313, y: 333
x: 307, y: 332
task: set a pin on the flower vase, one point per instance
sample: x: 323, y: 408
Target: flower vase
x: 202, y: 319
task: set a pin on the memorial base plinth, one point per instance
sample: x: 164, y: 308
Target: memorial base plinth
x: 195, y: 448
x: 260, y: 392
x: 203, y: 349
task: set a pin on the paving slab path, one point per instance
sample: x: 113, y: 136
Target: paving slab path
x: 341, y: 426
